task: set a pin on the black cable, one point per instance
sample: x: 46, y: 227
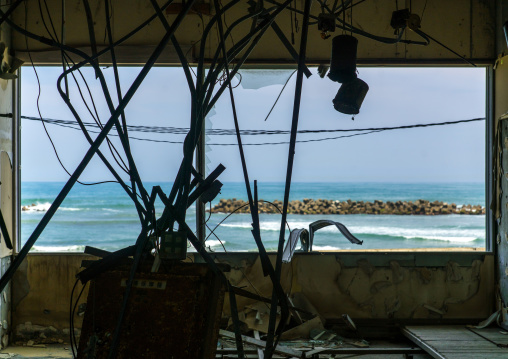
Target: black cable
x: 96, y: 118
x: 220, y: 132
x: 420, y: 32
x: 280, y: 93
x: 239, y: 208
x: 71, y: 317
x: 73, y: 333
x: 298, y: 141
x: 39, y: 110
x: 231, y: 132
x: 365, y: 131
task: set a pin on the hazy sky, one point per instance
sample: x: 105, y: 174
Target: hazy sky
x: 396, y: 97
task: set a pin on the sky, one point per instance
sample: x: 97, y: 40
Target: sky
x: 396, y: 97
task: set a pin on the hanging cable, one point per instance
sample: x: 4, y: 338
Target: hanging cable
x: 280, y: 93
x: 54, y: 37
x: 40, y: 115
x: 227, y: 132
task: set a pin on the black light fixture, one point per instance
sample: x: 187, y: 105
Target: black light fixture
x: 350, y: 97
x: 343, y: 61
x: 352, y: 92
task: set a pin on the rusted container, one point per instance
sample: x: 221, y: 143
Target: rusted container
x: 171, y: 314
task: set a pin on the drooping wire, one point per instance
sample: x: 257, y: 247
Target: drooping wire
x: 73, y: 332
x: 54, y: 37
x: 39, y: 110
x: 71, y: 318
x: 423, y: 11
x: 230, y: 132
x: 222, y: 132
x: 446, y: 47
x: 239, y: 208
x: 280, y: 93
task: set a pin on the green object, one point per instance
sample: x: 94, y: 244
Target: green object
x: 173, y: 246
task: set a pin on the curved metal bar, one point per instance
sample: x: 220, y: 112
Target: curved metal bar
x: 299, y: 233
x: 322, y: 223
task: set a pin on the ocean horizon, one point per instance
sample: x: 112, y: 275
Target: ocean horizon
x: 104, y: 216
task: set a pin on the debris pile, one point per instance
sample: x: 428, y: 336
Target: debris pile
x: 29, y: 334
x: 305, y: 331
x: 326, y: 206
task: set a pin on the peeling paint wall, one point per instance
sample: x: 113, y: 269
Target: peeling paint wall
x: 402, y: 286
x: 500, y: 204
x: 381, y: 285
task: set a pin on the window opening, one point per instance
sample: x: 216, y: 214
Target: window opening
x: 437, y: 163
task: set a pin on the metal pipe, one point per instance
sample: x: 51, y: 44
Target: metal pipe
x: 10, y: 10
x: 291, y: 156
x: 288, y: 46
x: 91, y: 151
x: 16, y: 162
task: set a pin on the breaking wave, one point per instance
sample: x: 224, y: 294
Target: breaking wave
x: 455, y: 235
x: 58, y: 249
x: 43, y: 207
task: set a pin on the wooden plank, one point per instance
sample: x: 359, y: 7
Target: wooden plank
x: 260, y: 353
x: 464, y: 345
x: 493, y: 334
x: 363, y: 351
x: 451, y: 332
x: 421, y: 343
x: 475, y: 355
x: 457, y: 342
x: 262, y: 344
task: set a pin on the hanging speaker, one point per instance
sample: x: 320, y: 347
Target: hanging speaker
x: 350, y: 97
x: 343, y: 61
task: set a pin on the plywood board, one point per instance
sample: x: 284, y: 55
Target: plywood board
x: 458, y: 342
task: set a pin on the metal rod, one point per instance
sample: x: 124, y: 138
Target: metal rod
x: 10, y: 10
x: 143, y: 237
x: 91, y: 151
x: 288, y: 46
x: 289, y: 173
x: 16, y: 162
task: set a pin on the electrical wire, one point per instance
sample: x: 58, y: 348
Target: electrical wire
x: 280, y: 93
x: 54, y: 37
x: 218, y: 132
x: 239, y: 208
x: 40, y: 115
x: 230, y: 132
x: 71, y: 318
x: 73, y: 332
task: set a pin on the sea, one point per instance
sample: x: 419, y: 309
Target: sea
x: 103, y: 216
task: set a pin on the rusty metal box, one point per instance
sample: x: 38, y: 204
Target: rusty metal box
x: 171, y: 314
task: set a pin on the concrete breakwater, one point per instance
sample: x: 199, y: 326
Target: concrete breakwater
x: 325, y: 206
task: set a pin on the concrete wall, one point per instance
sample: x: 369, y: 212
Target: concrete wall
x: 379, y: 285
x: 468, y: 27
x: 501, y: 200
x: 6, y: 189
x: 42, y: 289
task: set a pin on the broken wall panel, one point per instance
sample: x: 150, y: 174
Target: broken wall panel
x: 501, y: 240
x: 363, y: 287
x: 379, y: 285
x: 466, y: 27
